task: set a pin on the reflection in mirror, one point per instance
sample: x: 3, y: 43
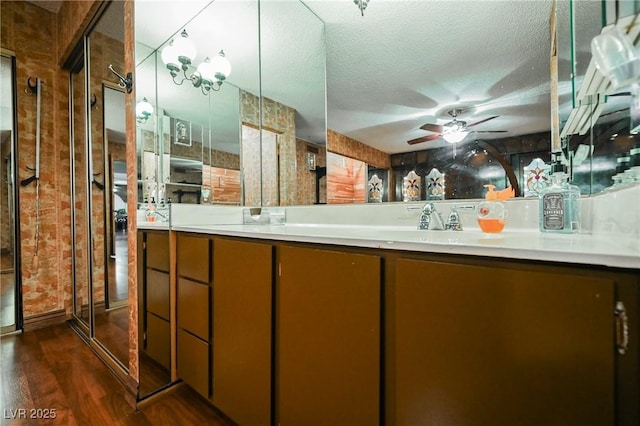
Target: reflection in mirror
x: 221, y: 169
x: 199, y: 130
x: 107, y: 143
x: 80, y: 219
x: 599, y: 130
x: 9, y: 244
x: 429, y: 80
x: 292, y: 105
x: 153, y: 165
x: 149, y: 157
x: 111, y: 313
x: 289, y: 101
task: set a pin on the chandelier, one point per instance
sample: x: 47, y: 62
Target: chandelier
x: 362, y: 5
x: 209, y: 75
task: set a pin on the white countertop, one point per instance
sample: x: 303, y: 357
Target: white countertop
x: 603, y: 250
x: 161, y: 226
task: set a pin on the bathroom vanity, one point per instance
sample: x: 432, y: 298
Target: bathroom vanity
x: 318, y: 323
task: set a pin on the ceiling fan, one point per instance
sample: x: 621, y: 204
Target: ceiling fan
x: 453, y: 131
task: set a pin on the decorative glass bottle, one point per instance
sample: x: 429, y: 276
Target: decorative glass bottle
x: 560, y: 204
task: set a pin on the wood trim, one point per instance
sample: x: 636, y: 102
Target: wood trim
x: 74, y: 46
x: 35, y: 322
x: 131, y: 391
x: 7, y: 52
x: 156, y: 395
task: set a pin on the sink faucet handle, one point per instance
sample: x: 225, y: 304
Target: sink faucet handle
x: 453, y: 221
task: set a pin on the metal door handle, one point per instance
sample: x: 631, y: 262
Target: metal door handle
x: 622, y: 328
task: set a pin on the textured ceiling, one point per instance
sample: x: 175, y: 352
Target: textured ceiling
x: 406, y: 63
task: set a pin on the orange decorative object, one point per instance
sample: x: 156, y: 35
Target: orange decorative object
x: 493, y: 226
x: 492, y: 213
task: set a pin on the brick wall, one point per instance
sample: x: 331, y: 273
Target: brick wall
x: 39, y: 38
x: 344, y: 145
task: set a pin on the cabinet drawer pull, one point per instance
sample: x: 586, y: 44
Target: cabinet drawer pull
x: 622, y: 329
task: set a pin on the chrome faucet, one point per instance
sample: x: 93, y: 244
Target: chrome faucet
x: 453, y: 221
x: 163, y: 216
x: 430, y: 219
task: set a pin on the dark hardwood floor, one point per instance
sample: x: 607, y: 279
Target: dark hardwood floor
x: 53, y: 369
x: 112, y: 330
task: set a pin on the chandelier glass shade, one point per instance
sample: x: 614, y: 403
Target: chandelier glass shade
x: 144, y: 110
x: 178, y: 56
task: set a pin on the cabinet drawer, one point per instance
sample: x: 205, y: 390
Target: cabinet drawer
x: 193, y: 362
x: 158, y: 293
x: 194, y: 257
x: 159, y: 340
x: 158, y: 251
x: 193, y: 308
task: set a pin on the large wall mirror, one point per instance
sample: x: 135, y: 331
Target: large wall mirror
x: 389, y: 81
x: 99, y: 190
x: 494, y: 71
x: 245, y: 141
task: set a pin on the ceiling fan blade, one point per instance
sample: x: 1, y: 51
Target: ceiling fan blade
x: 482, y: 121
x: 621, y: 94
x: 432, y: 127
x: 490, y: 131
x: 423, y: 139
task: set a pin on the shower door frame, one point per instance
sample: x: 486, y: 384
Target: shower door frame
x: 14, y: 217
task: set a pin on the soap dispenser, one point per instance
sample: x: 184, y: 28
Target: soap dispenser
x: 559, y: 209
x: 492, y: 213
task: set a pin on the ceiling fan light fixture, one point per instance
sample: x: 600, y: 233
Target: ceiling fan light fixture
x: 454, y: 137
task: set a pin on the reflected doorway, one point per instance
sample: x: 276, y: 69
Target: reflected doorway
x: 117, y: 291
x: 260, y: 167
x: 109, y: 225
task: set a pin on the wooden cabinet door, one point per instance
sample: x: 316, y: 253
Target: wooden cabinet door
x: 328, y: 338
x: 242, y: 297
x: 478, y: 346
